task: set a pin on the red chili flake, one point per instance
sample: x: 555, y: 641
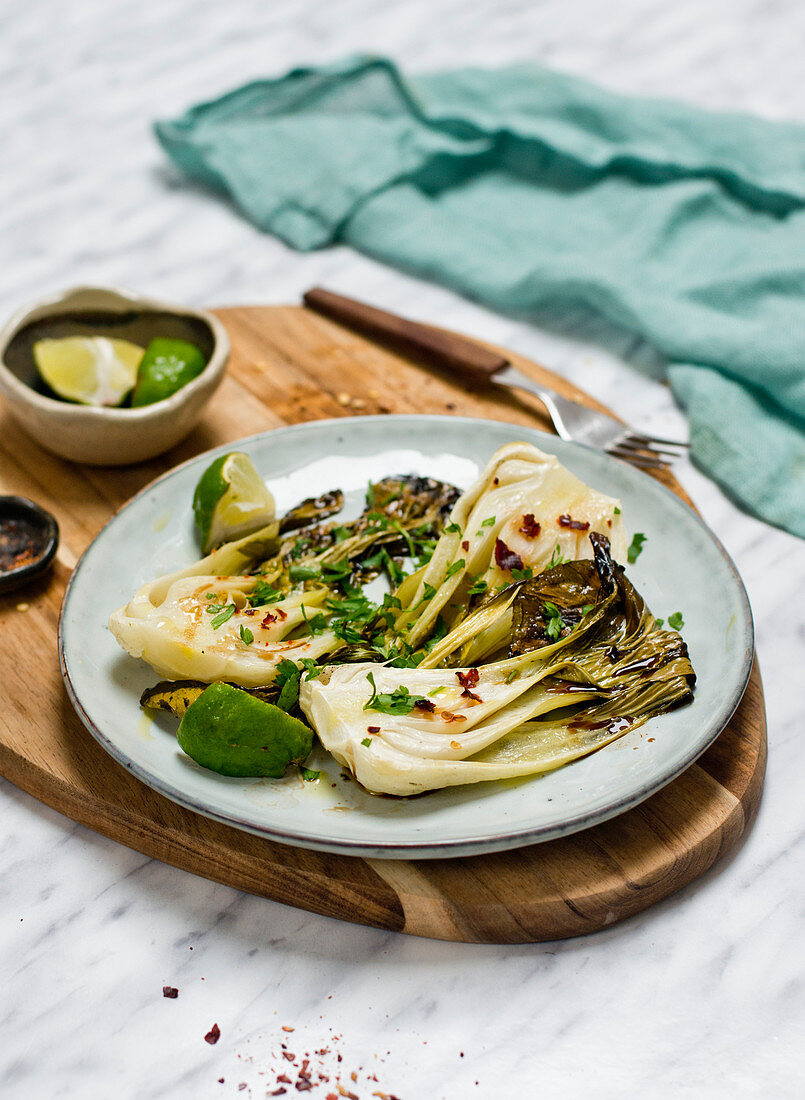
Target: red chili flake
x: 448, y: 716
x: 496, y: 481
x: 286, y: 1054
x: 285, y: 1080
x: 354, y: 1075
x: 303, y: 1085
x: 331, y: 1096
x: 241, y: 1086
x: 213, y: 1035
x: 467, y: 694
x: 426, y: 705
x: 369, y: 729
x: 506, y: 558
x: 220, y: 1080
x: 170, y: 991
x: 530, y: 528
x: 468, y: 679
x: 465, y: 545
x: 573, y: 524
x: 279, y: 1092
x: 286, y: 1028
x: 268, y: 619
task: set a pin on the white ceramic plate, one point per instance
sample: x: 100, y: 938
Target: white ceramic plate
x: 682, y: 568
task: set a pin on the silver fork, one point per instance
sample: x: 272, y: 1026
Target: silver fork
x: 583, y: 425
x: 473, y: 362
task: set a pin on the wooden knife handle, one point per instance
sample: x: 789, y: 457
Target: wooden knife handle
x: 463, y: 357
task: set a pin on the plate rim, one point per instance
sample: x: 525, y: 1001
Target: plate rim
x: 477, y: 844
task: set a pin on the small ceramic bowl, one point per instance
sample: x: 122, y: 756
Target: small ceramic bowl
x: 29, y: 538
x: 105, y: 436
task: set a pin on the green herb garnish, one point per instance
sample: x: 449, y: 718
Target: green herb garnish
x: 264, y: 593
x: 489, y: 522
x: 676, y: 621
x: 557, y: 557
x: 304, y: 572
x: 399, y: 701
x: 636, y: 549
x: 366, y: 742
x: 555, y: 621
x: 287, y: 680
x: 246, y: 635
x: 456, y: 567
x: 224, y: 616
x: 452, y: 529
x: 308, y: 774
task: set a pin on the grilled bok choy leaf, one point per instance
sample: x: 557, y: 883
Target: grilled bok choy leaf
x: 553, y: 693
x: 237, y: 613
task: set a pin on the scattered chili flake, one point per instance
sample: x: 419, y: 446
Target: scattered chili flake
x: 303, y: 1085
x: 529, y: 527
x: 286, y: 1028
x: 468, y: 679
x: 373, y: 729
x: 448, y: 716
x: 282, y: 1078
x: 426, y: 705
x: 241, y: 1086
x: 573, y: 524
x: 506, y: 558
x: 278, y: 1092
x: 286, y: 1054
x: 455, y: 745
x: 465, y: 545
x: 467, y: 694
x: 496, y: 481
x: 213, y: 1035
x: 170, y: 991
x: 268, y: 619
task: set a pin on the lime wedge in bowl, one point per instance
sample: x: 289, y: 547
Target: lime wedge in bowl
x: 231, y: 500
x: 166, y: 366
x: 88, y: 370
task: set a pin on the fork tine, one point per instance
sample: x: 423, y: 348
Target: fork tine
x: 628, y: 444
x: 647, y: 440
x: 644, y: 461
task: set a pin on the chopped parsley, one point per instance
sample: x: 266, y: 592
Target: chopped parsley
x: 512, y: 676
x: 309, y: 774
x: 676, y: 621
x: 399, y: 701
x: 617, y: 510
x: 246, y: 635
x: 478, y: 587
x: 555, y: 621
x: 524, y: 574
x: 659, y: 622
x: 489, y: 522
x: 224, y: 616
x: 366, y: 742
x: 264, y: 593
x: 316, y: 625
x: 557, y: 557
x: 456, y: 567
x: 636, y: 549
x: 452, y: 529
x: 287, y: 680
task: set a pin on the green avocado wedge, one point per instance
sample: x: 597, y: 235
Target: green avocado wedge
x: 232, y: 733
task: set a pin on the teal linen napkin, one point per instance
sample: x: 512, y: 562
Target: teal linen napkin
x: 532, y: 191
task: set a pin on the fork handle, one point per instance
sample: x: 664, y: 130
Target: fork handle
x: 462, y: 357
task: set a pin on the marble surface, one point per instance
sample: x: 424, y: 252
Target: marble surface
x: 701, y: 996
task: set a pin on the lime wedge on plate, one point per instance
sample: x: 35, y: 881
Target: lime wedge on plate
x: 232, y: 733
x: 89, y: 370
x: 166, y: 366
x: 231, y: 500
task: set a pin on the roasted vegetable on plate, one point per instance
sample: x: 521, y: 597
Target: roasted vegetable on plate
x: 436, y: 639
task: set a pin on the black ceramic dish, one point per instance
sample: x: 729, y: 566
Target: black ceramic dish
x: 29, y: 538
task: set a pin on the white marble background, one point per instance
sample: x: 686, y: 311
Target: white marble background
x: 701, y: 996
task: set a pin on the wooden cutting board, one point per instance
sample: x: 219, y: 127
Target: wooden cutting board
x: 289, y: 365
